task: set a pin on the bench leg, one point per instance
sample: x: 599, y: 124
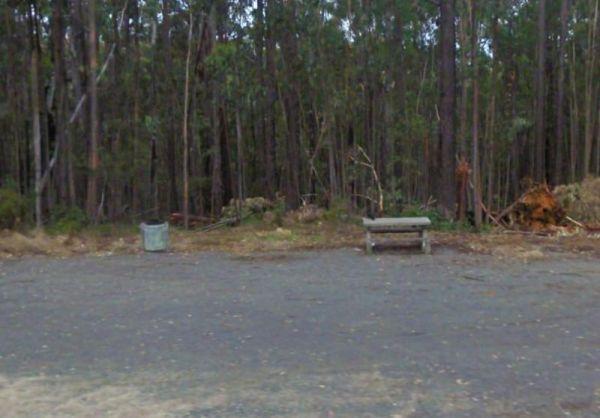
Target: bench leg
x: 369, y: 243
x: 425, y: 244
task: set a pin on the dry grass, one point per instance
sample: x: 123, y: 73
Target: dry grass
x: 292, y: 236
x: 248, y: 239
x: 17, y: 244
x: 243, y: 239
x: 521, y: 246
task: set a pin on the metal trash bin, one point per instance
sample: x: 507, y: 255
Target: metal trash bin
x: 155, y: 235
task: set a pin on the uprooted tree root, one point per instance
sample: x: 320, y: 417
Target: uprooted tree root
x: 536, y: 210
x: 566, y: 210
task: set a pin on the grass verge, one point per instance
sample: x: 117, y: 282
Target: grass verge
x: 260, y: 237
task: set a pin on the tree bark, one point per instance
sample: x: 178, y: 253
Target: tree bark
x: 464, y: 88
x: 540, y: 86
x: 490, y: 141
x: 36, y: 130
x: 240, y: 160
x: 186, y: 185
x: 475, y: 127
x: 171, y: 99
x: 446, y: 184
x: 61, y: 95
x: 93, y: 161
x: 590, y: 91
x: 291, y: 108
x: 560, y: 96
x: 270, y: 125
x: 574, y: 123
x: 217, y: 174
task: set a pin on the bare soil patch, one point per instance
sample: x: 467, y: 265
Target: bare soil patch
x: 77, y: 397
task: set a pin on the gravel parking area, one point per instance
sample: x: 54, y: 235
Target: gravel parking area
x: 331, y: 333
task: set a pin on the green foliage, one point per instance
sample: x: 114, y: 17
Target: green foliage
x: 438, y: 221
x: 279, y: 212
x: 112, y: 229
x: 393, y: 202
x: 518, y: 126
x: 67, y: 220
x: 334, y: 73
x: 338, y: 211
x: 13, y: 207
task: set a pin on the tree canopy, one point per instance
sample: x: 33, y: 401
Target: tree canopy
x: 320, y: 101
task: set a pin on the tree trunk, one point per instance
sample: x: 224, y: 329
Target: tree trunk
x: 291, y: 108
x: 186, y: 185
x: 60, y: 82
x: 171, y: 99
x: 560, y: 96
x: 270, y: 125
x: 227, y: 166
x: 93, y: 161
x: 464, y: 89
x: 240, y: 160
x: 490, y: 141
x: 217, y: 174
x: 574, y: 123
x: 590, y: 90
x: 136, y: 177
x: 36, y: 130
x: 475, y: 127
x: 540, y: 86
x: 446, y: 185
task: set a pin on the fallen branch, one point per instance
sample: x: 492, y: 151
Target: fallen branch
x: 177, y: 218
x: 576, y: 223
x: 369, y: 198
x: 533, y: 233
x: 219, y: 224
x: 509, y: 208
x: 490, y: 216
x: 487, y: 212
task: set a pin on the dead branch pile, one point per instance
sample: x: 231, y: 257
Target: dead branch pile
x: 581, y: 200
x: 176, y: 218
x: 536, y: 210
x: 249, y: 206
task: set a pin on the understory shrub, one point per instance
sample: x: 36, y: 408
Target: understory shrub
x: 66, y: 220
x: 438, y: 221
x: 13, y: 208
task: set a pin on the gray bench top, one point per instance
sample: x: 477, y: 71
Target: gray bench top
x: 396, y: 222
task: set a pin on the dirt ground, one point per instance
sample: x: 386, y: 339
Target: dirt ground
x: 302, y: 334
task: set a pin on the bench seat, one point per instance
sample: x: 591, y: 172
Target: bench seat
x: 397, y: 225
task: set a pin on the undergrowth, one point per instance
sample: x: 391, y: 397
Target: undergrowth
x: 66, y: 220
x: 13, y: 208
x: 438, y: 221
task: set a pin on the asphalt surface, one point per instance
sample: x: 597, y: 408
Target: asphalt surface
x: 332, y: 333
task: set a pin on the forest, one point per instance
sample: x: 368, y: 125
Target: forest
x: 127, y: 109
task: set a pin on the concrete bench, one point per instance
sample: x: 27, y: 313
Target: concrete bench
x: 397, y: 225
